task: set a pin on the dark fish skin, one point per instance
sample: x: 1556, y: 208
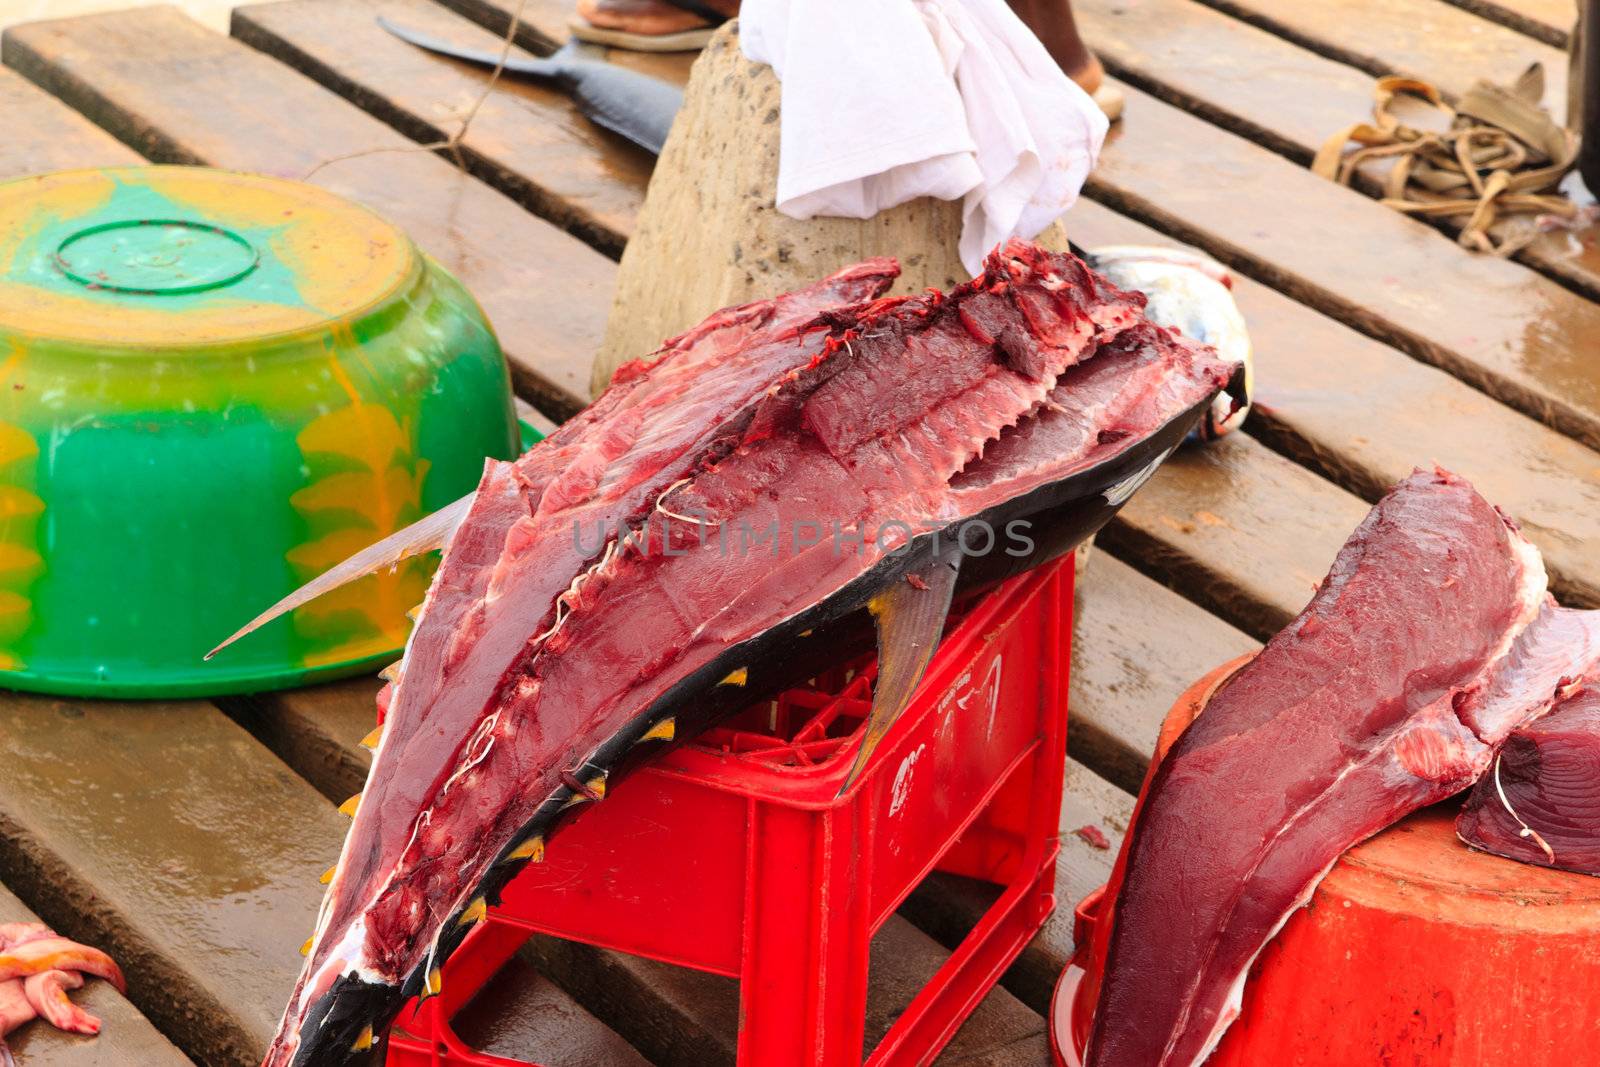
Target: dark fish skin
x: 629, y: 104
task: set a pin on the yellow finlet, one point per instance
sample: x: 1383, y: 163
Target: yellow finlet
x: 414, y: 612
x: 738, y: 677
x: 327, y: 875
x: 305, y: 949
x: 531, y: 850
x: 372, y: 739
x: 594, y: 789
x: 391, y: 672
x: 807, y: 633
x: 348, y: 808
x: 476, y: 912
x: 363, y: 1040
x: 665, y: 730
x: 433, y: 985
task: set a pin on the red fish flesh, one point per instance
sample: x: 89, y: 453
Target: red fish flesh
x: 1359, y: 712
x: 1540, y: 801
x: 701, y: 536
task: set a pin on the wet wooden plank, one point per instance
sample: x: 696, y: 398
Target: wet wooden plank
x: 528, y: 140
x: 178, y: 92
x: 1136, y: 646
x: 316, y: 730
x: 1427, y: 39
x: 541, y: 28
x: 1551, y: 21
x: 165, y: 834
x: 43, y: 134
x: 126, y: 1037
x: 1365, y: 415
x: 1278, y: 94
x: 1497, y: 325
x: 1240, y: 529
x: 1229, y: 72
x: 1094, y: 817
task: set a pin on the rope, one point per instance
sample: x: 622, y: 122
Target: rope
x: 1495, y: 155
x: 451, y: 144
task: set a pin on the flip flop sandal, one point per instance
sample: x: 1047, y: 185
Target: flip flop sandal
x: 682, y: 41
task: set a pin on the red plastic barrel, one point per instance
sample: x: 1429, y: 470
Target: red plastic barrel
x: 1415, y: 951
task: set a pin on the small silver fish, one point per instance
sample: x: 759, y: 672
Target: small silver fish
x: 1191, y: 293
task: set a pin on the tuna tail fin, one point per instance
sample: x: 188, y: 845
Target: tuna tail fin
x: 910, y: 615
x: 424, y: 535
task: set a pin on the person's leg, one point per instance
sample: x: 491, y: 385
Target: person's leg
x: 1052, y: 22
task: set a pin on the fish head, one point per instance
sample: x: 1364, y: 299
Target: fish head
x: 1193, y: 294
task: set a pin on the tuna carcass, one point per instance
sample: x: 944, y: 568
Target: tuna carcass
x: 1431, y: 640
x: 702, y: 536
x: 1540, y: 801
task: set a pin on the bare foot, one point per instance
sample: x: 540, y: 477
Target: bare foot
x: 1052, y: 22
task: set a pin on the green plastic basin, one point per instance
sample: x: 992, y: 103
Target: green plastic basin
x: 214, y: 386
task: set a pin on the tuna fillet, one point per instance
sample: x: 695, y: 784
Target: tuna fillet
x: 698, y: 537
x: 1350, y: 718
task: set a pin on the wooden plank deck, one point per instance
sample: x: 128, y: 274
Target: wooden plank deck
x: 187, y: 837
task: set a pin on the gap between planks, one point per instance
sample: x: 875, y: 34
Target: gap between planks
x: 1550, y: 21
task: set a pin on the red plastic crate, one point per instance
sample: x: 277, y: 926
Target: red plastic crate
x: 732, y: 854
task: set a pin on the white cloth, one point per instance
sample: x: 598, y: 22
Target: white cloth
x: 888, y: 100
